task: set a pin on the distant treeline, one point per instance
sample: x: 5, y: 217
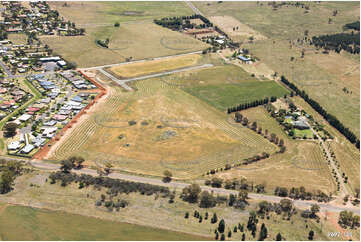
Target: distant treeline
x: 329, y: 117
x: 349, y: 42
x: 177, y: 23
x: 354, y: 25
x: 256, y: 103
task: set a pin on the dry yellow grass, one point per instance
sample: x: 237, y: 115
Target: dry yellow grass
x: 155, y: 66
x: 227, y: 23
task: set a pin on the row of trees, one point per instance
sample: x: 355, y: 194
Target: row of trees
x: 115, y: 186
x: 301, y: 193
x: 332, y: 120
x: 354, y: 25
x: 177, y: 23
x: 235, y: 184
x: 349, y: 42
x: 252, y: 104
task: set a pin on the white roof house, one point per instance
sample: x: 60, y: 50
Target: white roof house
x: 27, y: 149
x: 14, y: 145
x: 24, y: 117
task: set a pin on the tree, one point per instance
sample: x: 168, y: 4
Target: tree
x: 345, y: 218
x: 314, y: 209
x: 6, y: 181
x: 116, y: 24
x: 243, y: 237
x: 186, y: 215
x: 221, y: 226
x: 286, y: 205
x: 214, y: 219
x: 235, y: 229
x: 216, y: 238
x: 310, y: 235
x: 263, y: 232
x: 10, y: 130
x: 229, y: 234
x: 223, y: 237
x: 278, y: 237
x: 191, y: 193
x: 243, y: 195
x: 207, y: 200
x: 77, y: 161
x: 167, y: 176
x: 66, y: 166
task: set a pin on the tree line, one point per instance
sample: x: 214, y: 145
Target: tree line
x: 301, y: 193
x: 349, y: 42
x: 252, y: 104
x: 332, y: 120
x: 176, y: 23
x: 115, y: 186
x: 354, y: 25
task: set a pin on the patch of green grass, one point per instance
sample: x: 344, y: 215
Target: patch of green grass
x: 25, y: 223
x: 302, y: 133
x: 223, y: 96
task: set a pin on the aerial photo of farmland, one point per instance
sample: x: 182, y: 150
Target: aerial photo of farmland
x: 180, y: 120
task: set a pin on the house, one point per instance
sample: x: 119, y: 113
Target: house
x: 77, y: 99
x: 50, y: 123
x: 244, y: 59
x: 48, y: 131
x: 48, y: 59
x: 38, y: 141
x: 27, y: 149
x: 300, y: 124
x: 24, y: 117
x: 61, y: 63
x: 14, y: 145
x: 59, y: 117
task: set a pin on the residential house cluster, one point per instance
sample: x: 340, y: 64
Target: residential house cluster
x: 37, y: 18
x: 11, y: 97
x: 42, y: 120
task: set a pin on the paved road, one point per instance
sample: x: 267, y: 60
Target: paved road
x: 181, y: 185
x: 196, y: 10
x: 139, y: 61
x: 120, y: 82
x: 124, y: 81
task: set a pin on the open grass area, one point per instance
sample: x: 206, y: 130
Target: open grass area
x: 323, y: 77
x: 173, y: 131
x: 301, y: 165
x: 126, y: 41
x: 303, y: 133
x: 97, y: 13
x: 155, y: 66
x: 26, y: 223
x: 137, y: 37
x: 18, y: 39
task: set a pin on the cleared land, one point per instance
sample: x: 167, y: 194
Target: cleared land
x: 236, y: 30
x: 155, y: 66
x: 301, y: 165
x: 173, y: 131
x: 26, y: 223
x: 17, y: 39
x: 137, y: 37
x: 322, y: 76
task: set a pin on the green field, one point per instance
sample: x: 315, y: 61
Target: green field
x: 322, y: 76
x: 302, y: 133
x: 224, y: 96
x: 25, y: 223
